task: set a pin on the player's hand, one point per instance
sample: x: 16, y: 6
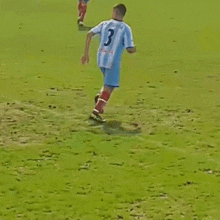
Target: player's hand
x: 85, y: 59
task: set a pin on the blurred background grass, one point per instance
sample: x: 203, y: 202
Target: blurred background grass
x: 158, y: 158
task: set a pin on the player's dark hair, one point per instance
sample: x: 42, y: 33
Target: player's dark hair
x: 122, y: 9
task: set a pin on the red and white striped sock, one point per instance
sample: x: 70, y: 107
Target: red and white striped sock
x: 102, y: 101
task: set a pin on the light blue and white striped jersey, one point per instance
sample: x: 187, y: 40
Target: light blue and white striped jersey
x: 114, y: 37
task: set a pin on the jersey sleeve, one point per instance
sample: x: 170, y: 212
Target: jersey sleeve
x: 97, y: 29
x: 128, y: 38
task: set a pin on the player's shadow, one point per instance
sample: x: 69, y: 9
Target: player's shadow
x: 115, y: 128
x: 84, y: 28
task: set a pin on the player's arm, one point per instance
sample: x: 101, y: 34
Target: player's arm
x: 128, y: 41
x: 92, y: 32
x: 85, y: 57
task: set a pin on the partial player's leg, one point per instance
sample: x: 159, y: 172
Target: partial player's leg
x: 111, y: 80
x: 83, y: 12
x: 79, y: 14
x: 101, y: 103
x: 97, y: 96
x: 103, y: 99
x: 82, y: 7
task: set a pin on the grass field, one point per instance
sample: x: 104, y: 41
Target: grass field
x: 158, y: 156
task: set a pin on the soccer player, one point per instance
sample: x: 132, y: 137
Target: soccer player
x: 82, y: 7
x: 115, y: 35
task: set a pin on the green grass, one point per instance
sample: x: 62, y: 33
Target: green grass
x: 156, y: 158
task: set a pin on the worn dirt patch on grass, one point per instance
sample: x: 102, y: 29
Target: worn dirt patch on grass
x: 25, y: 123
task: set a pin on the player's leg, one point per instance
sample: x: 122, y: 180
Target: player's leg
x: 79, y: 11
x: 82, y: 8
x: 103, y: 99
x: 98, y: 94
x: 83, y: 12
x: 105, y: 92
x: 111, y: 80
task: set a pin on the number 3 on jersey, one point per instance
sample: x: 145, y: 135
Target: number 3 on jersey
x: 111, y: 33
